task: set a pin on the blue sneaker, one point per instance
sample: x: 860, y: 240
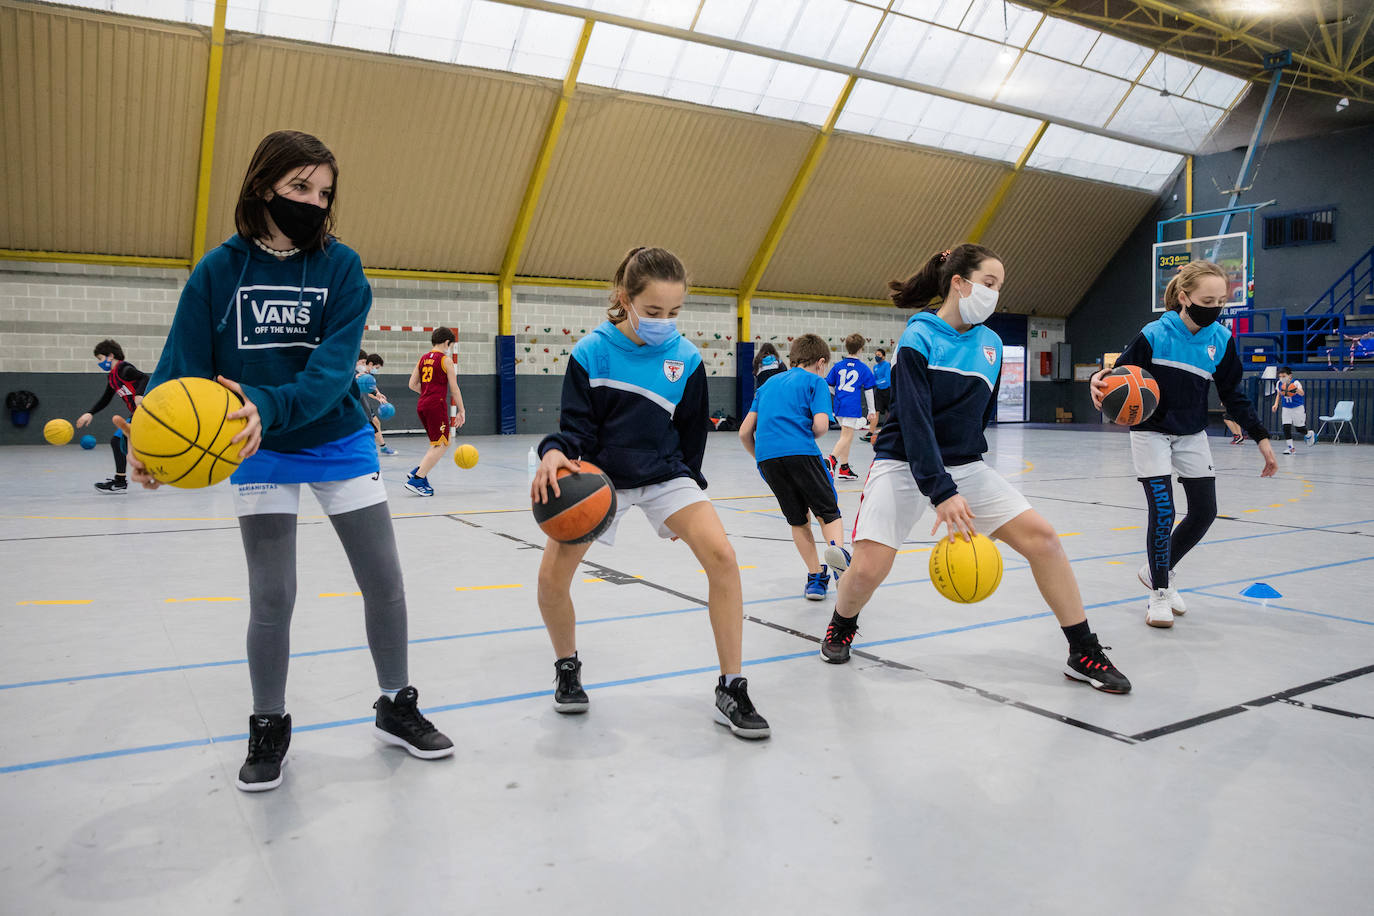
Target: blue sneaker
x: 388, y: 450
x: 816, y: 585
x: 838, y: 558
x: 419, y: 485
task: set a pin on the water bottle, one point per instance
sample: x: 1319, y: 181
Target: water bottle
x: 532, y: 463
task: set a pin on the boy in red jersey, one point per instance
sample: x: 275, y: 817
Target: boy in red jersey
x: 123, y: 378
x: 435, y: 379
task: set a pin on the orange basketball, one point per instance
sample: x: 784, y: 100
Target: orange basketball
x: 1132, y: 395
x: 583, y: 508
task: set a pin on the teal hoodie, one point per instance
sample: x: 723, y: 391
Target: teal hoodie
x: 287, y: 330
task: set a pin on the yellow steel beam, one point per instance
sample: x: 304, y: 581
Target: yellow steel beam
x: 387, y: 273
x: 995, y: 203
x: 207, y: 131
x: 516, y: 245
x: 1188, y: 198
x: 1332, y: 56
x: 107, y: 260
x: 1358, y: 43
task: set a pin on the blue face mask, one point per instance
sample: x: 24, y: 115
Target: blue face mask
x: 654, y: 331
x: 768, y: 361
x: 106, y: 364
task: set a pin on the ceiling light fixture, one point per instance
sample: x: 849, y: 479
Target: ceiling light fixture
x: 1343, y: 104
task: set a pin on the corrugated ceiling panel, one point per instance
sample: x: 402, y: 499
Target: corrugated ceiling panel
x: 701, y: 182
x: 99, y: 132
x: 1056, y: 234
x: 433, y: 160
x: 875, y: 212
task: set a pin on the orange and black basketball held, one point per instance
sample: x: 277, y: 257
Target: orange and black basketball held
x: 1132, y: 395
x: 583, y: 509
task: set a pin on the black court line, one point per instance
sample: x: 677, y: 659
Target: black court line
x: 1331, y: 709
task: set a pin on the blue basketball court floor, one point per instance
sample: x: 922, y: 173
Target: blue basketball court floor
x: 949, y: 767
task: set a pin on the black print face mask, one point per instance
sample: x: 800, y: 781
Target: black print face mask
x: 300, y: 222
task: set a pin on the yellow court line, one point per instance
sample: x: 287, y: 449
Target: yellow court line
x: 1069, y: 534
x: 916, y: 550
x: 1116, y: 563
x: 207, y: 598
x: 1293, y: 500
x: 340, y: 594
x: 1026, y: 469
x: 1252, y: 510
x: 68, y: 601
x: 1127, y: 528
x: 484, y: 588
x: 1276, y: 505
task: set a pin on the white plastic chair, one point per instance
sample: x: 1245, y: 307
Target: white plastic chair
x: 1344, y: 415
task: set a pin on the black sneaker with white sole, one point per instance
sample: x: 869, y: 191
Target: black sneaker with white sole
x: 838, y: 637
x: 736, y: 711
x: 568, y: 696
x: 399, y: 722
x: 113, y: 485
x: 268, y: 739
x: 1089, y: 663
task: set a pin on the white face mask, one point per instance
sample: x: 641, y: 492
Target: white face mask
x: 978, y: 306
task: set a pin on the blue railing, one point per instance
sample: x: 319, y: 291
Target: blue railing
x: 1344, y: 295
x: 1322, y: 393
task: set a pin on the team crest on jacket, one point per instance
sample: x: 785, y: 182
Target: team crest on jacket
x: 1211, y: 351
x: 991, y: 354
x: 672, y: 369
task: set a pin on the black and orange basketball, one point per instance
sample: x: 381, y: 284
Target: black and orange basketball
x: 1132, y: 395
x: 583, y: 509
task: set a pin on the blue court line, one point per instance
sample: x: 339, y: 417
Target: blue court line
x: 1283, y: 607
x: 622, y: 617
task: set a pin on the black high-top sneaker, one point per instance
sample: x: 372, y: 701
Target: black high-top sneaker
x: 736, y: 711
x: 399, y: 722
x: 838, y: 637
x: 268, y: 739
x: 568, y: 696
x: 1089, y: 663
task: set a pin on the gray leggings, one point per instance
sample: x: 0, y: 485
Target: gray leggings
x: 269, y: 543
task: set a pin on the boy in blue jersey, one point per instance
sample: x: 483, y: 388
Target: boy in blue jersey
x: 882, y: 390
x: 930, y: 453
x: 852, y: 382
x: 635, y: 405
x: 273, y: 314
x: 1293, y: 399
x: 1186, y: 350
x: 780, y: 431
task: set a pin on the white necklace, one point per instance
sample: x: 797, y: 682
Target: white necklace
x: 274, y: 252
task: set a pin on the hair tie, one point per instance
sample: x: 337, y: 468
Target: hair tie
x: 944, y: 255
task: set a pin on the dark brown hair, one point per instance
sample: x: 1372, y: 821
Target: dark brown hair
x: 1186, y: 280
x: 932, y: 281
x: 807, y: 349
x: 279, y: 154
x: 109, y: 348
x: 442, y: 336
x: 640, y: 267
x: 375, y: 359
x: 854, y: 343
x: 767, y: 349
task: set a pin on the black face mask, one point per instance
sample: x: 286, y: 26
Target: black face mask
x: 300, y: 222
x: 1203, y: 316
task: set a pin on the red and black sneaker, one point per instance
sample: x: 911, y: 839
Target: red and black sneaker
x: 1088, y: 662
x: 831, y: 464
x: 838, y: 637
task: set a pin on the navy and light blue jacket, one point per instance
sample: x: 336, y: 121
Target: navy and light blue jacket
x: 288, y: 331
x: 1183, y: 364
x: 639, y: 413
x: 944, y: 393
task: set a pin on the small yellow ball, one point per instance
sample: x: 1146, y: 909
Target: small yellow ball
x: 57, y: 432
x: 465, y: 456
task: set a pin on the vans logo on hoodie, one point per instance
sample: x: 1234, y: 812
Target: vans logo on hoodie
x: 280, y: 316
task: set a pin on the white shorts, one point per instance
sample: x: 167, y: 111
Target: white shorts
x: 335, y: 496
x: 853, y: 422
x: 659, y: 501
x: 892, y: 504
x: 1295, y: 416
x: 1159, y: 454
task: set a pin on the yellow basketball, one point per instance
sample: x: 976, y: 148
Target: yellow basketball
x: 181, y: 432
x: 966, y: 571
x: 57, y: 432
x: 465, y: 456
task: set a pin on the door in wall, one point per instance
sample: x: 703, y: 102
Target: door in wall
x: 1011, y: 397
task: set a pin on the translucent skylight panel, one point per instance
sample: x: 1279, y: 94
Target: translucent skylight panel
x: 834, y: 30
x: 1001, y: 21
x: 544, y: 44
x: 364, y: 24
x: 1064, y: 40
x: 1118, y: 57
x: 1215, y: 88
x: 880, y: 110
x: 940, y: 57
x: 1169, y: 72
x: 1170, y: 119
x: 676, y: 13
x: 1073, y: 152
x: 1062, y: 90
x: 429, y: 29
x: 943, y: 12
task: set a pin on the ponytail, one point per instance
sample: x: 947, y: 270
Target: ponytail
x: 931, y: 282
x: 1186, y: 280
x: 635, y: 272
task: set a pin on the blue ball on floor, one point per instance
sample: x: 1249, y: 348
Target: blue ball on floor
x: 386, y: 411
x: 88, y: 442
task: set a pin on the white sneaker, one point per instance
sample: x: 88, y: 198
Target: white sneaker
x: 1157, y: 611
x: 1290, y: 450
x: 1310, y: 438
x: 1176, y: 603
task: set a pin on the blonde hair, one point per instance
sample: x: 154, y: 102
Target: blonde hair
x: 1187, y: 279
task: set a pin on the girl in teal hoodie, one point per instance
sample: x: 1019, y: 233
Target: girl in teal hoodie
x: 276, y: 315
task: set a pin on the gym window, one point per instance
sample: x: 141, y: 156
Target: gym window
x: 1300, y: 227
